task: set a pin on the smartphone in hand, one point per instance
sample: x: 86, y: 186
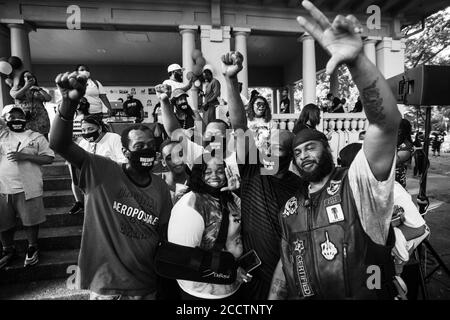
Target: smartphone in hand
x: 249, y: 261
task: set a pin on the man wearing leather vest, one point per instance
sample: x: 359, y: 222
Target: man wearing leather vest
x: 336, y: 234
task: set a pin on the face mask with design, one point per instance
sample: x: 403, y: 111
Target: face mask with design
x: 91, y: 136
x: 142, y: 160
x: 17, y: 125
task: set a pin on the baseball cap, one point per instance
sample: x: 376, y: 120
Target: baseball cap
x: 173, y: 67
x: 178, y: 93
x: 10, y: 107
x: 208, y: 67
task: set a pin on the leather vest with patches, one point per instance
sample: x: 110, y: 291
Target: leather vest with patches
x: 326, y: 253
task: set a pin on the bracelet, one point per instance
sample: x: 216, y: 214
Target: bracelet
x: 63, y: 118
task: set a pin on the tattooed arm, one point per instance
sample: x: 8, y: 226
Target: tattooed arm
x: 342, y: 40
x: 381, y: 109
x: 278, y: 288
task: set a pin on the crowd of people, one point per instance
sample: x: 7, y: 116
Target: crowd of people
x: 244, y: 210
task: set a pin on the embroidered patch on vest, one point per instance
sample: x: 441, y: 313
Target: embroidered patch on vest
x: 302, y: 276
x: 334, y: 187
x: 290, y: 208
x: 335, y: 213
x: 332, y: 200
x: 329, y: 250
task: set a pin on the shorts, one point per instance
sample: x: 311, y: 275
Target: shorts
x: 31, y: 212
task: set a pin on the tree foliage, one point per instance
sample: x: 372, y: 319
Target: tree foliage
x: 430, y: 46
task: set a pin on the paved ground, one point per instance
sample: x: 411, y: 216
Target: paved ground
x: 438, y: 219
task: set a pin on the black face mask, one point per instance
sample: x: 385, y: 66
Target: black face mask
x: 142, y: 160
x: 182, y: 108
x: 92, y: 136
x: 16, y: 125
x: 178, y: 77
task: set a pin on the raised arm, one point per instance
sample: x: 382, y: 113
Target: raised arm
x: 106, y: 102
x: 231, y: 66
x: 72, y: 88
x: 342, y: 40
x: 170, y: 121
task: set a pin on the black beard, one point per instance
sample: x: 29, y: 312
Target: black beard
x: 324, y: 167
x: 178, y: 77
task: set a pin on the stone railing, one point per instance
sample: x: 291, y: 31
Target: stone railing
x: 341, y: 128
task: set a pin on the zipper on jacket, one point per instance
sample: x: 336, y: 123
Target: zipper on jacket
x: 345, y: 267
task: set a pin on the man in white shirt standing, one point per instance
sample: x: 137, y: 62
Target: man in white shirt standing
x: 175, y: 80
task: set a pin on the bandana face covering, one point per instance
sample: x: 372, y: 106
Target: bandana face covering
x: 17, y: 125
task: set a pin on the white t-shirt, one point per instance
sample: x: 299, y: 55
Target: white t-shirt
x: 174, y: 84
x: 187, y: 228
x: 10, y: 174
x: 374, y: 199
x: 109, y: 146
x: 412, y: 219
x: 93, y: 96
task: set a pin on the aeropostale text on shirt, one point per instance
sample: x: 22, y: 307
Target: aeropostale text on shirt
x: 135, y: 213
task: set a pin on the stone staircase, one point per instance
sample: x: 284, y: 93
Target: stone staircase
x: 59, y: 243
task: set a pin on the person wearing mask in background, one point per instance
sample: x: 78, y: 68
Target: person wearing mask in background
x: 133, y: 108
x: 22, y: 153
x: 309, y: 118
x: 95, y: 139
x: 212, y: 95
x: 127, y: 207
x: 285, y: 101
x: 175, y: 80
x: 31, y: 98
x: 95, y: 94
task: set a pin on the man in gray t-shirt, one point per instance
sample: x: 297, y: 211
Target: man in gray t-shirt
x: 127, y: 208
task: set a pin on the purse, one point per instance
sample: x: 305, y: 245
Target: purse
x: 216, y: 266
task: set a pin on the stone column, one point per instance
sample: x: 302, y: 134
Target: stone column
x: 390, y: 55
x: 240, y: 44
x: 5, y: 51
x: 215, y: 42
x: 188, y: 34
x: 20, y: 43
x: 275, y: 101
x: 308, y: 69
x: 369, y: 48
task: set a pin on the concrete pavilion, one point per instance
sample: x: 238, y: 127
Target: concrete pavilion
x: 131, y: 43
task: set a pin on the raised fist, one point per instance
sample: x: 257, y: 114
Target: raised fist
x: 71, y: 85
x: 232, y: 64
x: 163, y: 91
